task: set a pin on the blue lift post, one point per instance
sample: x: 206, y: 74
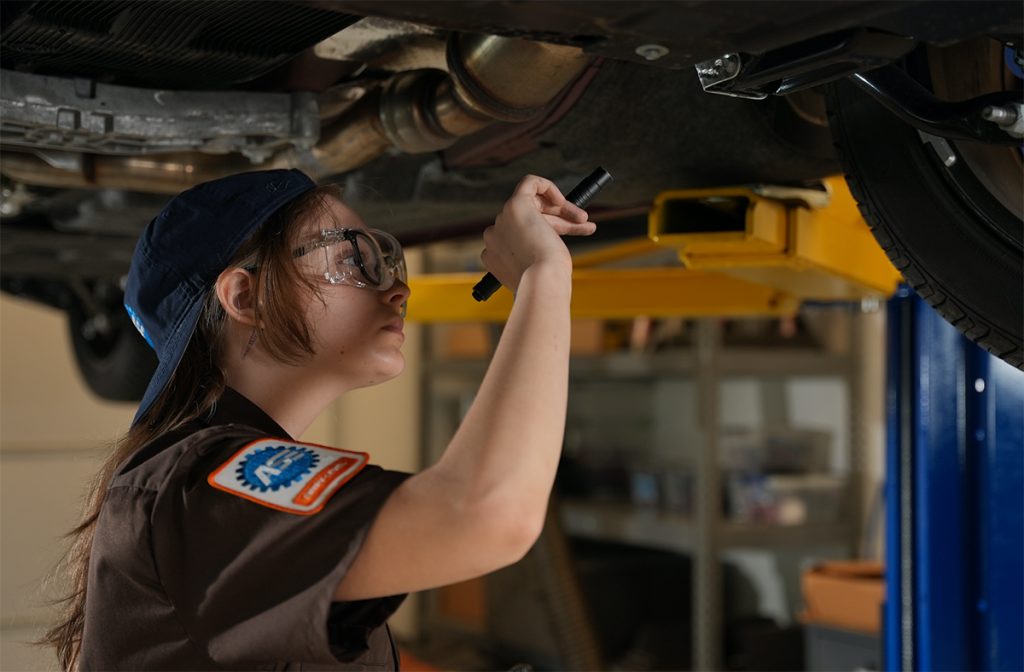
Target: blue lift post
x: 955, y: 499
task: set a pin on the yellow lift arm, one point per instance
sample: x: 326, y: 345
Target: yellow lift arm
x: 744, y: 251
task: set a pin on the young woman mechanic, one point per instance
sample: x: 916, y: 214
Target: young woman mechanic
x: 214, y: 538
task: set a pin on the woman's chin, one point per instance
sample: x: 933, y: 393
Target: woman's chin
x: 388, y: 368
x: 396, y: 369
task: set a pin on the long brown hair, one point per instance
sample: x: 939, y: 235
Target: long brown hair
x: 196, y: 384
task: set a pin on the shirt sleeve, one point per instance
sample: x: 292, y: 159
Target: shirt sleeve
x: 252, y: 584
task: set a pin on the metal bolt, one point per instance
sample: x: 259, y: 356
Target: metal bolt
x: 727, y: 64
x: 652, y: 52
x: 1004, y: 116
x: 1009, y: 118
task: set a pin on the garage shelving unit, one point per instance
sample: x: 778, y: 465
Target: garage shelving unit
x: 703, y: 535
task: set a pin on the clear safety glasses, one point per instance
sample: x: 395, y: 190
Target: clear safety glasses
x: 368, y: 258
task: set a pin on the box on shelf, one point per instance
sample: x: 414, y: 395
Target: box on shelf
x: 749, y: 497
x: 667, y: 487
x: 799, y: 499
x: 807, y: 498
x: 844, y: 594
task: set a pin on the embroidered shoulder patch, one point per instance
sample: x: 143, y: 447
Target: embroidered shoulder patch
x: 293, y: 477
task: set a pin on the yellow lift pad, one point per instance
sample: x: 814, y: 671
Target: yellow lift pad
x: 744, y: 252
x: 823, y: 253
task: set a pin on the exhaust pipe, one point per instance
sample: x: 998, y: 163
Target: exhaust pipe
x: 159, y: 174
x: 490, y: 79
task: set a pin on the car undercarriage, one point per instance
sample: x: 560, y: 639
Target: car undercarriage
x: 427, y: 112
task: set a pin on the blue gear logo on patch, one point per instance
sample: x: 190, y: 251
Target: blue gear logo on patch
x: 296, y: 478
x: 275, y: 467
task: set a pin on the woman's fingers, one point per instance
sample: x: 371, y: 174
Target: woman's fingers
x: 535, y: 185
x: 542, y: 195
x: 564, y: 227
x: 548, y: 199
x: 566, y: 211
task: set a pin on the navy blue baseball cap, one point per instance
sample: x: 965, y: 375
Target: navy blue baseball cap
x: 183, y: 250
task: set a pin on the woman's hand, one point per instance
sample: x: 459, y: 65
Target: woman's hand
x: 526, y: 231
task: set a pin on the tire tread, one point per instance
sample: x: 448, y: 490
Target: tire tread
x: 970, y: 325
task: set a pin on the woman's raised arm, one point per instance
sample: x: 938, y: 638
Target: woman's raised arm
x: 482, y: 506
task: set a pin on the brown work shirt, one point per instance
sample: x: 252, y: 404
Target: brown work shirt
x: 189, y: 574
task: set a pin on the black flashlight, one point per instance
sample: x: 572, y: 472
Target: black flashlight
x: 579, y: 196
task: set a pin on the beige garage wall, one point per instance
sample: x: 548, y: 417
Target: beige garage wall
x: 53, y: 434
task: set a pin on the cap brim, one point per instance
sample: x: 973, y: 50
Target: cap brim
x: 173, y: 349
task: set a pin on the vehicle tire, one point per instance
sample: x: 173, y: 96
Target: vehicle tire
x: 115, y: 364
x: 954, y: 232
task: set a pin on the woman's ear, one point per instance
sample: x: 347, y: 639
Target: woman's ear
x: 236, y: 293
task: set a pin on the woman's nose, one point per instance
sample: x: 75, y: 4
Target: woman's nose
x: 397, y: 294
